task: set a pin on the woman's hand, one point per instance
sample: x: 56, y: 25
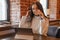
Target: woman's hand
x: 40, y: 13
x: 28, y: 13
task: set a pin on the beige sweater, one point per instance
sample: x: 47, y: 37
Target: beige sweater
x: 24, y: 23
x: 38, y: 26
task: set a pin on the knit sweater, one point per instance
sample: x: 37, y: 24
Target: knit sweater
x: 38, y: 25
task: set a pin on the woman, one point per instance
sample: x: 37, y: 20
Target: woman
x: 37, y: 19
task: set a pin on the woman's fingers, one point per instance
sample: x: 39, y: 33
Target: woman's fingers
x: 27, y: 13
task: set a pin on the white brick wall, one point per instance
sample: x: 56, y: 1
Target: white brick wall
x: 53, y: 9
x: 15, y: 11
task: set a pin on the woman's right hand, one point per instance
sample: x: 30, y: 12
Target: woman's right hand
x: 28, y: 13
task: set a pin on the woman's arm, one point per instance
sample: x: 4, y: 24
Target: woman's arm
x: 45, y: 26
x: 24, y: 20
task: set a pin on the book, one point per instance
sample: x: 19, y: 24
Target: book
x: 25, y: 34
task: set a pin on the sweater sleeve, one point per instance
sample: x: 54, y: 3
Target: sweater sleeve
x: 24, y: 22
x: 45, y: 25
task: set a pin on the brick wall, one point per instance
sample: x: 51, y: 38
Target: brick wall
x: 58, y: 9
x: 24, y: 5
x: 18, y: 7
x: 15, y: 11
x: 53, y: 8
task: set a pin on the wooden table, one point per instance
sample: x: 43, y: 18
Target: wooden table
x: 36, y: 37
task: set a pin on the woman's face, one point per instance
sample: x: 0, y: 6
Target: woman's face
x: 36, y: 11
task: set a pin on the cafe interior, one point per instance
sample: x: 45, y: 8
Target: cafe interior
x: 13, y: 12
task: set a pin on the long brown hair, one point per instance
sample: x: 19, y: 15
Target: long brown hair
x: 30, y: 14
x: 39, y: 7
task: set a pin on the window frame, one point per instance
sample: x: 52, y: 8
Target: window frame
x: 8, y: 11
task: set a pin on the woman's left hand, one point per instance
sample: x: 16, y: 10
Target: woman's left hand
x: 40, y: 13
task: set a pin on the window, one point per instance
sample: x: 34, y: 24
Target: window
x: 45, y: 5
x: 4, y: 5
